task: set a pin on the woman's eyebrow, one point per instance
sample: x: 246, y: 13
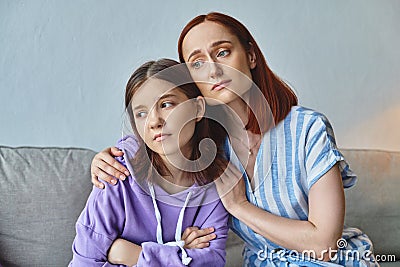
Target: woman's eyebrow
x: 195, y: 52
x: 217, y: 43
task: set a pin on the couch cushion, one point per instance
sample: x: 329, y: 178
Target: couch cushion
x: 42, y: 192
x: 234, y: 248
x: 373, y: 204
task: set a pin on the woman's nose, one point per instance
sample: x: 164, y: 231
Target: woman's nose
x: 215, y: 70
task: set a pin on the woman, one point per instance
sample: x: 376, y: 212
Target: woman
x: 291, y: 198
x: 139, y: 214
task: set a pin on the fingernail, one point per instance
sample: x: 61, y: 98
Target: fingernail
x: 101, y: 186
x: 122, y: 177
x: 126, y: 173
x: 113, y: 181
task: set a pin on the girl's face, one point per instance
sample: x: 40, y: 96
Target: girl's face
x: 218, y: 62
x: 165, y: 118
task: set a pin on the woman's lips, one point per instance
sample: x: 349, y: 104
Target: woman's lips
x: 220, y: 85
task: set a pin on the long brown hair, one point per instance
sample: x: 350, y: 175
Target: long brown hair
x: 148, y: 163
x: 277, y: 94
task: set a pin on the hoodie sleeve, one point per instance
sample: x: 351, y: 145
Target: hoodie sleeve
x: 99, y: 224
x: 90, y: 248
x: 159, y: 255
x: 103, y: 218
x: 154, y: 254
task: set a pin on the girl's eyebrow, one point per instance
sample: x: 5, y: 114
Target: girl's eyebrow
x: 217, y: 43
x: 139, y: 107
x: 165, y: 96
x: 157, y: 99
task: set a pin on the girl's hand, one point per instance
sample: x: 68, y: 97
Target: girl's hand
x: 124, y: 252
x: 198, y: 238
x: 105, y: 167
x: 232, y: 189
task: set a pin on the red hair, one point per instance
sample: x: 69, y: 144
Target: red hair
x: 277, y: 94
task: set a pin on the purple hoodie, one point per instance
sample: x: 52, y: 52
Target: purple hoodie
x: 127, y: 211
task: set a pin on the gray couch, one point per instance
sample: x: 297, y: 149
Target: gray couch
x: 43, y: 190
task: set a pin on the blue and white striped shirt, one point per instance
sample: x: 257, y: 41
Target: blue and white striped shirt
x: 292, y: 157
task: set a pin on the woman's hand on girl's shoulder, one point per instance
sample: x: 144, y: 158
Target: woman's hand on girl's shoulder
x: 105, y: 167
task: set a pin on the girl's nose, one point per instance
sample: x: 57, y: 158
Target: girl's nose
x: 155, y: 120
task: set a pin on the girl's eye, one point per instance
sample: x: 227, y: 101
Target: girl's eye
x: 223, y: 53
x: 140, y: 114
x: 167, y: 104
x: 197, y: 64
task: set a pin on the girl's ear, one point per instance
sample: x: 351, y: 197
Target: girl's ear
x: 201, y: 108
x: 252, y: 57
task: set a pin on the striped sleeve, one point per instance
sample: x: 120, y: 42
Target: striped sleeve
x: 322, y: 153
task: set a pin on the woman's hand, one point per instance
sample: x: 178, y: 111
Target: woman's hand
x: 232, y: 189
x: 105, y: 167
x: 124, y: 252
x: 198, y: 238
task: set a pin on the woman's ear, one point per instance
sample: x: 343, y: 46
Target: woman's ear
x: 252, y: 57
x: 201, y: 108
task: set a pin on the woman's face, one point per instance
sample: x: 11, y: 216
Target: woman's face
x: 164, y: 116
x: 218, y: 62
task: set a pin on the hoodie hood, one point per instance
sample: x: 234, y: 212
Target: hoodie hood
x: 200, y: 195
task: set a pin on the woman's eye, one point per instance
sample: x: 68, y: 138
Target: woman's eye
x: 166, y: 104
x: 140, y: 114
x: 223, y: 53
x: 197, y: 64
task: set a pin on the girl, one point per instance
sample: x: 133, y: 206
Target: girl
x: 289, y: 205
x: 146, y: 213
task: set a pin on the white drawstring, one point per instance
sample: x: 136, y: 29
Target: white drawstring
x: 178, y: 241
x: 158, y: 215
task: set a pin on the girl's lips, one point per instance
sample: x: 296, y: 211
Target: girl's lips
x: 160, y: 137
x: 220, y: 85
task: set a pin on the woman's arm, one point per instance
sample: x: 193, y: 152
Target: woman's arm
x: 320, y: 232
x: 107, y: 168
